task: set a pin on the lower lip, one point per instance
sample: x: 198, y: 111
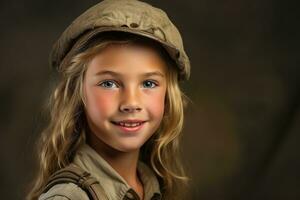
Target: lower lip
x: 130, y: 129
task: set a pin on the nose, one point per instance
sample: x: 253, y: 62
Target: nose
x: 130, y: 102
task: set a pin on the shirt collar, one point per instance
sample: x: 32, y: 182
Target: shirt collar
x: 115, y: 186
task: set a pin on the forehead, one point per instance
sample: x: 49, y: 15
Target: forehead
x: 127, y: 58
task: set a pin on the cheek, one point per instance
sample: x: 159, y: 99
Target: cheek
x: 156, y: 104
x: 100, y: 104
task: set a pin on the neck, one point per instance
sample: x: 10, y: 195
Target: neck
x: 124, y: 163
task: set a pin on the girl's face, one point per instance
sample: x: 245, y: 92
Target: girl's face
x: 125, y: 88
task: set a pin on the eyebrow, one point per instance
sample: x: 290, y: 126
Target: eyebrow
x: 112, y: 73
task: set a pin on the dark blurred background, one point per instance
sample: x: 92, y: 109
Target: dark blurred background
x: 241, y: 137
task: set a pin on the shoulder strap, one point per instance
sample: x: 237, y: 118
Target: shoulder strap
x: 76, y: 175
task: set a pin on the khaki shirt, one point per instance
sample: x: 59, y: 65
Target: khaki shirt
x: 115, y: 187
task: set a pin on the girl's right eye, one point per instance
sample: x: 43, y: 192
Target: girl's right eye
x: 108, y: 84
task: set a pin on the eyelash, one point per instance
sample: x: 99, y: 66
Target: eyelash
x: 108, y: 81
x: 153, y: 83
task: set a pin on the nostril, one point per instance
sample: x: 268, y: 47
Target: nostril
x: 130, y: 109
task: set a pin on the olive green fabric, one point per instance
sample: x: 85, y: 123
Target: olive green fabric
x: 115, y: 187
x: 130, y: 16
x: 66, y: 191
x: 74, y: 174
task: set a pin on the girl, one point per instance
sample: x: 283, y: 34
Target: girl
x: 117, y: 110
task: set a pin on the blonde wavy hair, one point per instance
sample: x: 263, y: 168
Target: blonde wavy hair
x: 66, y: 130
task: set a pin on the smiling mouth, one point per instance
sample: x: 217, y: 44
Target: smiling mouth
x: 129, y: 124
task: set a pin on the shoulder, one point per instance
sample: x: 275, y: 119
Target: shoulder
x: 65, y: 191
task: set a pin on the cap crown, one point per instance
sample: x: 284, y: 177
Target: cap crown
x: 129, y: 16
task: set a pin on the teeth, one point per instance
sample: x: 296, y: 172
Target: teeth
x: 129, y: 124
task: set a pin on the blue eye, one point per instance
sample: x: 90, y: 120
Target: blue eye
x: 108, y: 84
x: 149, y: 84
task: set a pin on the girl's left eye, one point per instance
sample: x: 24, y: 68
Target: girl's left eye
x: 149, y: 84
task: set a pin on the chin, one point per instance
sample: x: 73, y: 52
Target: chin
x: 129, y: 147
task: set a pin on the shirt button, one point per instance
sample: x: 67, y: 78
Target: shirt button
x: 129, y: 195
x: 156, y: 197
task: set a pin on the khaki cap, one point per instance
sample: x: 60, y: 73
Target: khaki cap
x: 131, y: 16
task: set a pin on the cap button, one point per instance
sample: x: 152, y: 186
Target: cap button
x: 134, y: 25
